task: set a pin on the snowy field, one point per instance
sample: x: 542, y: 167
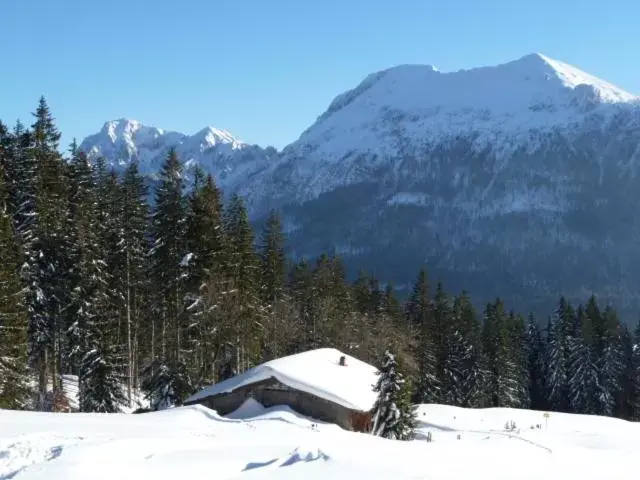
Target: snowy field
x: 194, y: 443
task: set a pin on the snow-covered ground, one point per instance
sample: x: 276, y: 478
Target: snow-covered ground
x: 194, y: 442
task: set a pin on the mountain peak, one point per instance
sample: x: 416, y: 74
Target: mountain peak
x: 211, y: 136
x: 122, y: 127
x: 569, y: 77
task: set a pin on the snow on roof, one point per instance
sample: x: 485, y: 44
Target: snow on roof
x: 317, y: 372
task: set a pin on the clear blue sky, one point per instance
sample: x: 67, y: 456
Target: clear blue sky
x: 265, y: 69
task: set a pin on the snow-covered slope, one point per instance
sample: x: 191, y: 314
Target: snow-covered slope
x: 193, y: 443
x: 317, y: 372
x: 504, y: 180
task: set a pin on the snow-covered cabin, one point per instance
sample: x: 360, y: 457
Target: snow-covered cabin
x: 324, y: 384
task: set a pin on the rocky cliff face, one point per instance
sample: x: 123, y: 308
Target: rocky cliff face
x: 519, y: 180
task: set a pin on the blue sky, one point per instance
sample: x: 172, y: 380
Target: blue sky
x: 264, y: 70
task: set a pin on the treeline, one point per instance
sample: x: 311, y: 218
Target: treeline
x: 171, y: 295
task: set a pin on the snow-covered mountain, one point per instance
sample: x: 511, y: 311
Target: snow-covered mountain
x: 519, y: 179
x: 217, y: 151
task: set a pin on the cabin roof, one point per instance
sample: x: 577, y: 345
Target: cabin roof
x: 317, y: 372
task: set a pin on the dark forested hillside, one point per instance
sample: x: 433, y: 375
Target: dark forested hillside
x: 170, y: 295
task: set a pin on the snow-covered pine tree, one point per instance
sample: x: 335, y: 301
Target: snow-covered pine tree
x: 273, y: 271
x: 610, y: 364
x: 556, y: 384
x: 168, y: 267
x: 133, y: 247
x: 582, y: 372
x: 206, y: 279
x: 84, y: 259
x: 420, y: 321
x: 534, y: 354
x: 24, y: 173
x: 457, y: 361
x: 502, y: 352
x: 168, y: 255
x: 243, y: 267
x: 100, y: 381
x: 454, y: 369
x: 14, y: 390
x: 92, y: 332
x: 474, y: 384
x: 393, y: 414
x: 166, y: 386
x: 46, y: 265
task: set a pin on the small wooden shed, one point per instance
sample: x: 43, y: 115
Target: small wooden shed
x: 323, y: 384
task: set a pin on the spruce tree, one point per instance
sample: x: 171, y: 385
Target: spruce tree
x: 92, y: 332
x: 243, y: 267
x: 422, y: 328
x: 476, y: 373
x: 556, y: 384
x: 273, y: 270
x: 166, y: 386
x: 503, y: 355
x: 534, y: 352
x: 46, y: 266
x: 582, y: 372
x: 610, y: 364
x: 393, y: 414
x: 14, y: 391
x: 207, y: 282
x: 391, y: 304
x: 133, y: 247
x: 455, y: 361
x: 168, y: 259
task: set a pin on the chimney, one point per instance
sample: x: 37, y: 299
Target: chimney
x: 343, y: 361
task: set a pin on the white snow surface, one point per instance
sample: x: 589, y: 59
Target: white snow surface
x: 194, y: 442
x: 316, y: 372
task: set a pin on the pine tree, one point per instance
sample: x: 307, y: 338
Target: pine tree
x: 421, y: 324
x: 87, y: 264
x: 610, y: 364
x: 393, y: 415
x: 92, y: 332
x: 476, y: 372
x: 14, y: 391
x: 133, y: 247
x: 205, y: 239
x: 534, y: 352
x: 206, y: 281
x: 166, y: 387
x: 46, y: 247
x: 455, y: 361
x: 100, y: 388
x: 556, y: 367
x: 391, y: 305
x: 362, y: 293
x: 273, y: 270
x: 243, y: 268
x: 582, y: 372
x: 504, y: 357
x: 168, y: 257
